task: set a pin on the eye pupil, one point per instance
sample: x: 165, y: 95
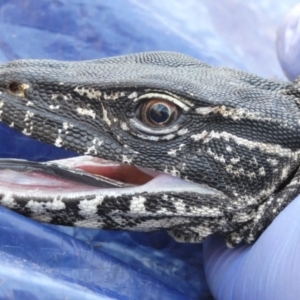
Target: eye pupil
x: 159, y: 113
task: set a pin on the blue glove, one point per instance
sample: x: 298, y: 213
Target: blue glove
x: 287, y: 42
x: 268, y: 269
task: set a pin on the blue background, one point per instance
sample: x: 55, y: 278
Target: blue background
x: 39, y: 261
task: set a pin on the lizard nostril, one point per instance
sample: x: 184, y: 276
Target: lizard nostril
x: 17, y: 89
x: 14, y: 87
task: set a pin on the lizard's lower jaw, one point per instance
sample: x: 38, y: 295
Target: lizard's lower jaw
x: 128, y: 179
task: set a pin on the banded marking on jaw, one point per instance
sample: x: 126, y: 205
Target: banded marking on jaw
x: 46, y: 198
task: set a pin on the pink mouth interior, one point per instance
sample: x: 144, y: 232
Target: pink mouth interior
x: 113, y: 170
x: 93, y: 174
x: 32, y: 180
x: 119, y: 172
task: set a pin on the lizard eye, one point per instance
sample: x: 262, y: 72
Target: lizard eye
x: 158, y: 113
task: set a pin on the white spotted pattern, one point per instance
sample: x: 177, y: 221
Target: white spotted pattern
x: 137, y: 205
x: 88, y: 92
x: 199, y: 136
x: 86, y: 112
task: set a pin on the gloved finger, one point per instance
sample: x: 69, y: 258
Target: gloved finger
x: 269, y: 269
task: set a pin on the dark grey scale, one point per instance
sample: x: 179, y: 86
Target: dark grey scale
x: 72, y: 210
x: 110, y: 204
x: 157, y: 202
x: 62, y: 220
x: 152, y: 204
x: 109, y: 223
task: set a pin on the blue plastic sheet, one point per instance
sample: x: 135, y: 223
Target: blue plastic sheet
x: 40, y: 261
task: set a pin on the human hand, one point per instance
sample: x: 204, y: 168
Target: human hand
x: 268, y: 269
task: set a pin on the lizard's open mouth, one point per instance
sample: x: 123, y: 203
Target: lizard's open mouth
x: 95, y: 193
x: 118, y: 173
x: 85, y: 174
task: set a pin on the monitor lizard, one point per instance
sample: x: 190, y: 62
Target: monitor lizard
x: 231, y: 137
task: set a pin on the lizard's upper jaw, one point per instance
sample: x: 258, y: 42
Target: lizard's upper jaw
x: 86, y: 175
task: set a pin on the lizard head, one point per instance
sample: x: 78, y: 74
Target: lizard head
x: 232, y: 138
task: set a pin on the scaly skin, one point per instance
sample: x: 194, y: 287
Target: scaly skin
x: 235, y: 134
